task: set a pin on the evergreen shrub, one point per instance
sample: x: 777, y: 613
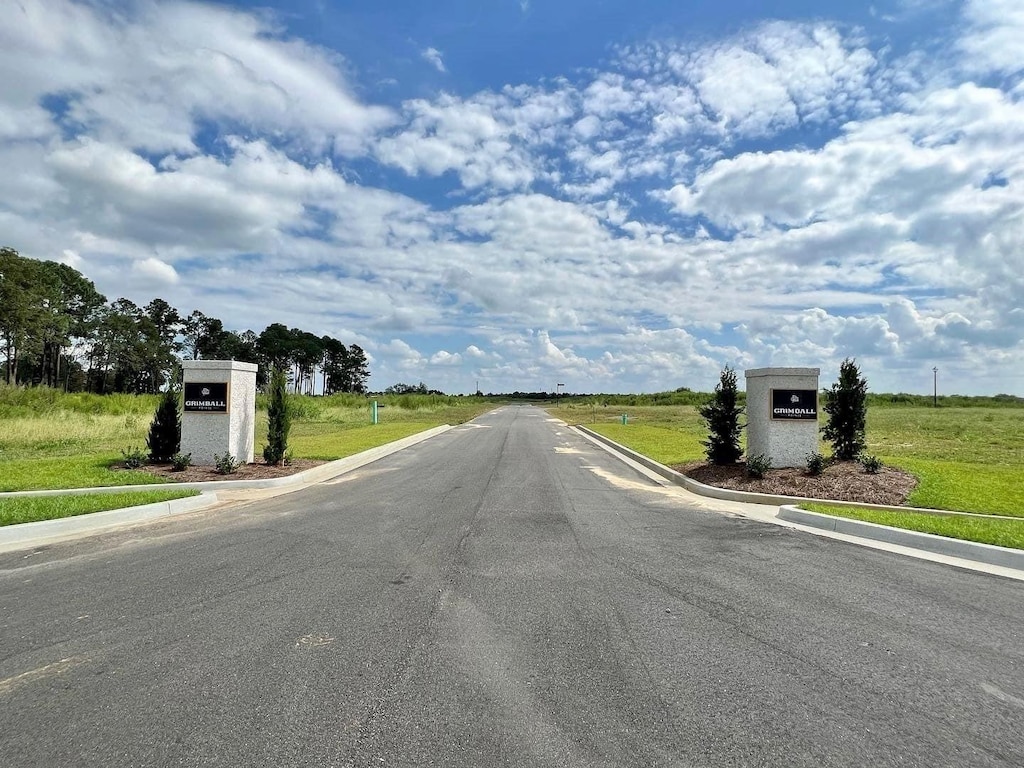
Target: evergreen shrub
x: 164, y: 439
x: 846, y: 406
x: 721, y: 415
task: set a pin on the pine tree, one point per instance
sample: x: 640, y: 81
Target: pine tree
x: 164, y: 439
x: 279, y: 419
x: 846, y: 406
x: 721, y: 414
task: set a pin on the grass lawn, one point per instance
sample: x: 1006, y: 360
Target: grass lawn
x: 29, y: 510
x: 49, y: 440
x: 966, y: 459
x: 76, y: 471
x: 669, y: 434
x: 326, y: 442
x: 1003, y: 533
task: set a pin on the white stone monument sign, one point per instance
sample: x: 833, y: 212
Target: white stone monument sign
x: 782, y: 414
x: 219, y: 410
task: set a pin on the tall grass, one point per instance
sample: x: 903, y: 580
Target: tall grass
x: 43, y: 401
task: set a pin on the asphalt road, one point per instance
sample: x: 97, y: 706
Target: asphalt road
x: 506, y: 594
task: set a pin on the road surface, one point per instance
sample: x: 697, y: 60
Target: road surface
x: 506, y: 594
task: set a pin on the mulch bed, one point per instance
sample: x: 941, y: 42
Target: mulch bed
x: 254, y: 471
x: 841, y: 481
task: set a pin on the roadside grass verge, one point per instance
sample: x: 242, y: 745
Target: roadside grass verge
x: 1002, y: 533
x: 667, y: 434
x: 325, y: 442
x: 967, y: 459
x: 86, y: 471
x: 33, y: 509
x: 985, y: 488
x: 52, y: 440
x: 663, y: 444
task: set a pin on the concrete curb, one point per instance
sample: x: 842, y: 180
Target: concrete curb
x: 314, y: 475
x: 940, y: 545
x: 764, y: 498
x: 42, y: 532
x: 28, y: 535
x: 693, y: 486
x: 966, y: 550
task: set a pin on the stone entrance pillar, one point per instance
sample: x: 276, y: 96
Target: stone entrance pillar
x: 219, y: 411
x: 782, y: 414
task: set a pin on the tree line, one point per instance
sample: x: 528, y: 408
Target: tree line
x: 57, y: 330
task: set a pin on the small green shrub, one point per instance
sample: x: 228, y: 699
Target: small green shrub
x: 279, y: 419
x: 816, y: 464
x: 134, y: 458
x: 758, y: 466
x: 164, y: 438
x: 846, y: 406
x: 226, y: 464
x: 181, y: 461
x: 721, y: 415
x: 872, y: 464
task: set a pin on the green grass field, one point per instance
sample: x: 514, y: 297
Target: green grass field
x: 1002, y: 533
x: 967, y: 459
x: 33, y: 509
x: 52, y: 440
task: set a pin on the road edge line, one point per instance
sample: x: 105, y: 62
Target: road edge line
x: 1004, y: 557
x: 988, y: 554
x: 43, y: 532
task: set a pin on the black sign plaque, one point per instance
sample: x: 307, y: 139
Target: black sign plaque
x: 795, y: 404
x: 210, y: 397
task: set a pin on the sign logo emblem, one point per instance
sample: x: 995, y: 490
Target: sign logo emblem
x: 206, y: 397
x: 794, y: 404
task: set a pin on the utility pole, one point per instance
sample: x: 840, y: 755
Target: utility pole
x: 935, y: 387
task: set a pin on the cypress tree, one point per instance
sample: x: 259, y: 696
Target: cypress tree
x: 164, y: 439
x: 846, y: 406
x: 721, y: 414
x: 279, y: 419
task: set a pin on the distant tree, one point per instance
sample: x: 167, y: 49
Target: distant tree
x: 846, y: 406
x: 164, y: 439
x: 357, y: 370
x: 23, y: 309
x: 406, y: 389
x: 278, y: 419
x: 193, y: 330
x: 332, y: 365
x: 721, y: 415
x: 57, y: 330
x: 307, y: 352
x: 125, y: 344
x: 275, y: 345
x: 164, y: 346
x: 66, y: 306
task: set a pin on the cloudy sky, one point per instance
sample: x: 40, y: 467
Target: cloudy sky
x: 613, y: 195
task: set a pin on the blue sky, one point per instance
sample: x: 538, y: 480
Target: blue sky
x: 616, y: 196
